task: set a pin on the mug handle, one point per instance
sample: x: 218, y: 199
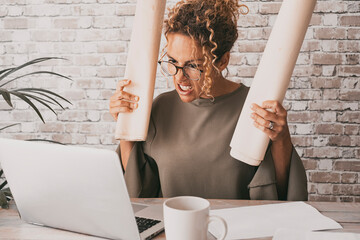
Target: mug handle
x: 222, y: 221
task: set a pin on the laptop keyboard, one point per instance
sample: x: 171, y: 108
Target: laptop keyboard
x: 145, y: 223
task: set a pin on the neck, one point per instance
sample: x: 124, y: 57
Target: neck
x: 223, y: 86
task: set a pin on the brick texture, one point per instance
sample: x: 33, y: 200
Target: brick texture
x: 322, y: 100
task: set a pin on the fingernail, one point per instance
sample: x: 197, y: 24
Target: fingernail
x: 252, y: 115
x: 252, y: 106
x: 135, y: 105
x: 136, y: 98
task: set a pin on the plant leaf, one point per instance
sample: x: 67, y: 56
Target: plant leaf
x: 44, y: 140
x: 6, y: 95
x: 37, y: 60
x: 33, y: 96
x: 8, y: 127
x: 45, y: 95
x: 3, y: 201
x: 44, y: 90
x: 28, y: 101
x: 37, y: 72
x: 7, y: 193
x: 5, y: 70
x: 3, y: 184
x: 40, y: 100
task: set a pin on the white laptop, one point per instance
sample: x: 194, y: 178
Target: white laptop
x: 74, y: 188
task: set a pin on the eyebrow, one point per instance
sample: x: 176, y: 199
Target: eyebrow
x: 187, y: 62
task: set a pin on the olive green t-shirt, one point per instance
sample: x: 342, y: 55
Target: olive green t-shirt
x: 187, y: 152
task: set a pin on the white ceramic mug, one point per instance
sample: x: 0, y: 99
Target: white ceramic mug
x: 188, y: 218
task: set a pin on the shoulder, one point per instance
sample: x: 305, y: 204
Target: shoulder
x: 244, y: 90
x: 160, y: 107
x: 165, y: 95
x: 238, y: 96
x: 241, y: 94
x: 165, y: 100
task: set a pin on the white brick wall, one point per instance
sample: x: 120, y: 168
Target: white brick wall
x: 323, y: 99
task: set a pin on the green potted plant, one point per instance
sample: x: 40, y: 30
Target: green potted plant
x: 31, y: 96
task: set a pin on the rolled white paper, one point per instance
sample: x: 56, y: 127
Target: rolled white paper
x: 272, y: 77
x: 141, y: 68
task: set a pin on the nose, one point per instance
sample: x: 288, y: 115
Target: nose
x: 179, y: 76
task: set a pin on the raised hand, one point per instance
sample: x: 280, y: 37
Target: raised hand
x: 122, y: 101
x: 274, y: 122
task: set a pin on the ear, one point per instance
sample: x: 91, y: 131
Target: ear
x: 223, y: 61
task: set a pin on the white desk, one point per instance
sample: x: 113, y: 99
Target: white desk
x: 13, y: 228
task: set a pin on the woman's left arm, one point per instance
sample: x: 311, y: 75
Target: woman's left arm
x: 271, y: 118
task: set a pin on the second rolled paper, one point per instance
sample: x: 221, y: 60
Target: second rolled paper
x: 272, y: 77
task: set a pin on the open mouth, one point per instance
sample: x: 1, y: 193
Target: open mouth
x: 185, y: 89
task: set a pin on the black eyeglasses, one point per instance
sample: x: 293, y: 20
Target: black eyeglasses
x: 189, y: 71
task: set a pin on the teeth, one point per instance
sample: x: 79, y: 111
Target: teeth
x: 185, y: 88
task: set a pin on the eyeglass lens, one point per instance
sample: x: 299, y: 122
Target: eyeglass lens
x: 189, y: 72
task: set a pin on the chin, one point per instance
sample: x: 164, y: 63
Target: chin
x: 186, y: 98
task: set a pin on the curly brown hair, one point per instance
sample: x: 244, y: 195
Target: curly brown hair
x: 212, y: 24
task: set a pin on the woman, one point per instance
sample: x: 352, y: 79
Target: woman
x: 187, y: 149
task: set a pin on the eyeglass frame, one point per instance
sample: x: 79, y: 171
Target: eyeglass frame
x: 177, y: 69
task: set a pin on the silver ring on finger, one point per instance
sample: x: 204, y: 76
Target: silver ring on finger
x: 271, y: 125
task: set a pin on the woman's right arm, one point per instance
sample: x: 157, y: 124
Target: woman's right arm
x: 125, y: 103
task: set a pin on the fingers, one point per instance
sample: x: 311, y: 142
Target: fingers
x: 271, y: 133
x: 263, y: 122
x: 122, y: 95
x: 115, y: 111
x: 121, y: 84
x: 270, y: 118
x: 275, y: 106
x: 121, y: 101
x: 122, y: 106
x: 263, y: 113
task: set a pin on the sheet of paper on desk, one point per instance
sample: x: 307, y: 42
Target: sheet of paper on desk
x: 292, y: 234
x: 264, y: 220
